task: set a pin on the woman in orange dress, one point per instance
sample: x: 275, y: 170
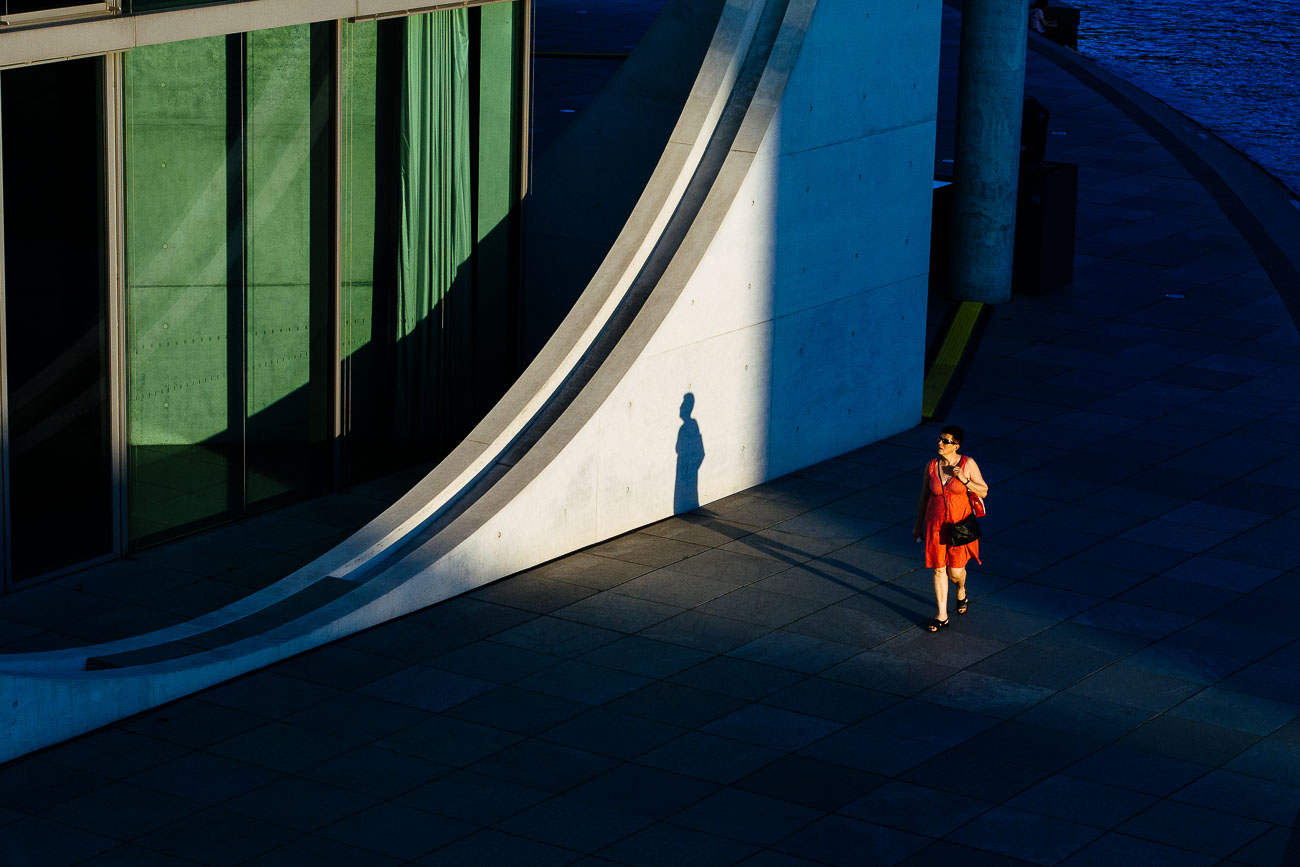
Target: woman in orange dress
x: 944, y: 499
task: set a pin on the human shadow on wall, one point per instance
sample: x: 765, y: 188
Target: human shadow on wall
x: 690, y: 455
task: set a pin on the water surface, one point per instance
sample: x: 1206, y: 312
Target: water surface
x: 1231, y: 65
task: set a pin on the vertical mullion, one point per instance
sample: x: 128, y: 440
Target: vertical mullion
x: 236, y: 273
x: 335, y: 330
x: 524, y: 144
x: 115, y: 244
x: 7, y: 560
x: 524, y: 139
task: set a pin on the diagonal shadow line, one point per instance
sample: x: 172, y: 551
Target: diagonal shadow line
x: 783, y: 553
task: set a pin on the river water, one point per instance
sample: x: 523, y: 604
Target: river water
x: 1231, y: 65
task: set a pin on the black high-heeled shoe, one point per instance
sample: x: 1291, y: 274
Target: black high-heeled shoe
x: 936, y: 624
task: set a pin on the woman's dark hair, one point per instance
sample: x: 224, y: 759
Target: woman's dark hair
x: 1038, y: 4
x: 955, y: 432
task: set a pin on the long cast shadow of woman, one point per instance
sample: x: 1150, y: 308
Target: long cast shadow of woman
x: 690, y: 454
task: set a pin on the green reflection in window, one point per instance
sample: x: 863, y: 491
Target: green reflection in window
x: 286, y: 153
x: 185, y: 441
x: 228, y: 235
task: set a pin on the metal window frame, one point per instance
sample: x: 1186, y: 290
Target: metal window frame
x: 59, y: 14
x: 115, y: 244
x: 335, y: 317
x: 6, y: 572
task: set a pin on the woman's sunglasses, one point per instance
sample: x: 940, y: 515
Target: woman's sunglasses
x: 947, y: 442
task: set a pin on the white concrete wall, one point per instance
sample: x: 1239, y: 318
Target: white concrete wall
x: 801, y: 332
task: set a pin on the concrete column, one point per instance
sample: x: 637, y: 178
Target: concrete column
x: 990, y: 92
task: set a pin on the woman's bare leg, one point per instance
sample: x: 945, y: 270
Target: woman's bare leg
x: 958, y: 577
x: 941, y: 591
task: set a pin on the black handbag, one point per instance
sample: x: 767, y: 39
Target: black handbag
x: 963, y: 532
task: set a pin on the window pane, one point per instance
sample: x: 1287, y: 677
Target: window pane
x: 184, y: 317
x: 367, y: 251
x: 287, y: 210
x: 60, y: 506
x: 497, y: 188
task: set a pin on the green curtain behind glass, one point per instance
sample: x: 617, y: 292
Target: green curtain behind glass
x: 429, y: 184
x: 434, y: 311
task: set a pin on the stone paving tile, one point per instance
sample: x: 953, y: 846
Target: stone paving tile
x: 747, y: 817
x: 533, y: 593
x: 1078, y: 800
x: 1189, y: 827
x: 569, y: 823
x: 397, y: 831
x: 668, y: 588
x: 706, y: 632
x: 217, y: 837
x: 34, y: 840
x: 760, y: 606
x: 114, y: 753
x: 796, y: 652
x: 982, y: 777
x: 613, y: 734
x: 493, y: 847
x: 645, y: 550
x: 669, y: 844
x: 873, y: 751
x: 129, y: 855
x: 710, y: 757
x: 1084, y: 717
x: 676, y: 704
x: 645, y: 656
x: 449, y: 741
x: 1187, y: 740
x: 740, y: 678
x: 518, y: 710
x: 122, y: 811
x: 843, y: 841
x: 830, y: 700
x: 373, y: 771
x: 932, y: 723
x: 1029, y: 836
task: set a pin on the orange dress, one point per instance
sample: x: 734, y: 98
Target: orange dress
x: 947, y: 503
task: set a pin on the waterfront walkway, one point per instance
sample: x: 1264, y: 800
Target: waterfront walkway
x: 749, y: 683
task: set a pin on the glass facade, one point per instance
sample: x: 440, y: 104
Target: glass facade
x: 318, y: 264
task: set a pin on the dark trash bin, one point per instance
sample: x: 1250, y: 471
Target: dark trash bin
x: 1034, y: 118
x: 1045, y: 211
x: 940, y: 233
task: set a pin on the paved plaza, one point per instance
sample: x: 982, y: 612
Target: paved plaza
x: 750, y: 683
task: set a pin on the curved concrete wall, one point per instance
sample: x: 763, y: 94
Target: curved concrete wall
x: 774, y: 268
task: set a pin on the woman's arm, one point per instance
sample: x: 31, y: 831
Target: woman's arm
x: 920, y: 505
x: 974, y: 480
